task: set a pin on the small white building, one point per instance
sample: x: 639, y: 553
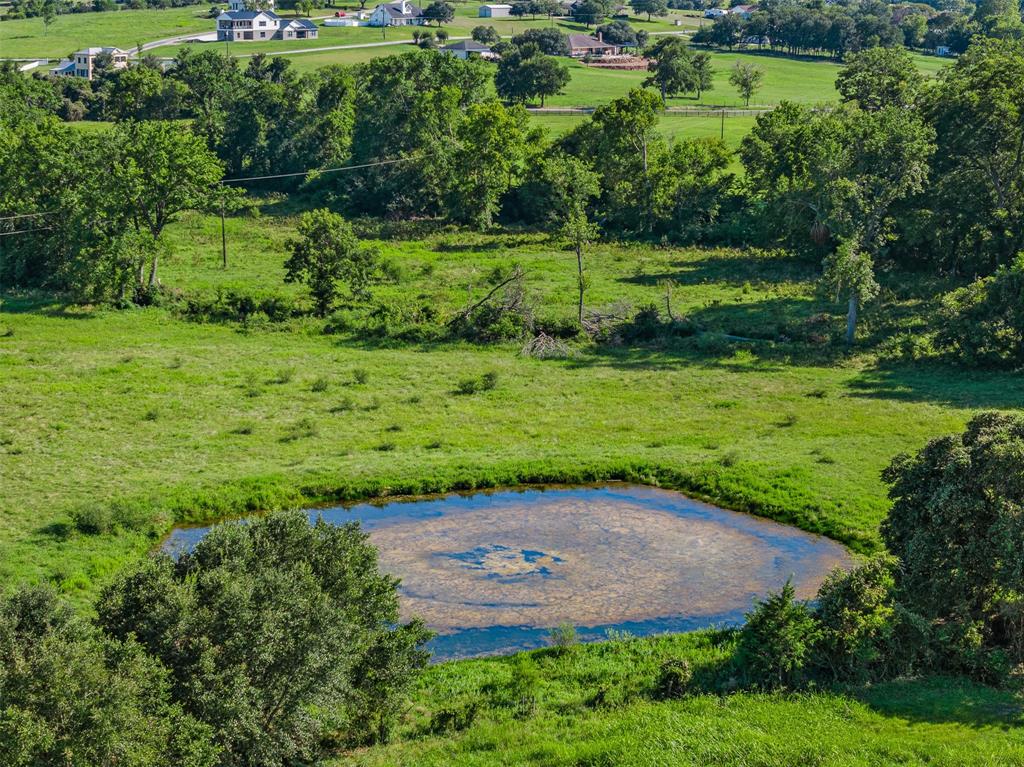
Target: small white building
x: 499, y: 11
x: 83, y: 63
x: 397, y: 14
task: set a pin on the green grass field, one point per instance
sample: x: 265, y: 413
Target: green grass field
x: 181, y: 416
x: 25, y: 38
x: 594, y: 707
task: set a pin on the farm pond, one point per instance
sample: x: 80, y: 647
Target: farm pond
x: 492, y: 572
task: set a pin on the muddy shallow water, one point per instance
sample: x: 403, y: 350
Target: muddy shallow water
x: 491, y: 572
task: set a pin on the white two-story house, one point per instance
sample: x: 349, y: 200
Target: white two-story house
x: 397, y: 14
x: 238, y: 26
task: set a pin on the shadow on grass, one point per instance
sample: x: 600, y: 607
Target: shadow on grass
x: 43, y: 304
x: 932, y: 382
x: 945, y: 699
x: 735, y: 269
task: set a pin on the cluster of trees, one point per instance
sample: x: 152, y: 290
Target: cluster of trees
x: 525, y: 73
x: 271, y: 643
x: 932, y: 178
x: 947, y: 597
x: 841, y: 28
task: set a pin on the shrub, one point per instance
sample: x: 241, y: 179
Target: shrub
x: 776, y: 641
x: 73, y: 697
x: 360, y: 376
x: 855, y: 612
x: 563, y: 637
x: 674, y: 678
x: 283, y: 376
x: 956, y: 527
x: 449, y: 720
x: 983, y: 323
x: 304, y: 428
x: 278, y: 635
x: 319, y: 385
x: 521, y: 692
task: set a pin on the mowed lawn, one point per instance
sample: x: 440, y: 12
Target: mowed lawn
x: 26, y: 38
x: 145, y: 407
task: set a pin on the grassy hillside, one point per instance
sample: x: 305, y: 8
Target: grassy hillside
x: 175, y: 417
x: 25, y: 38
x: 596, y: 706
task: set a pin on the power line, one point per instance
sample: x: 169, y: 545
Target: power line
x: 26, y: 231
x: 26, y: 215
x: 323, y: 170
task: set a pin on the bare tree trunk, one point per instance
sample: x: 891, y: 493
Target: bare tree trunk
x: 579, y: 278
x: 851, y: 320
x: 152, y: 271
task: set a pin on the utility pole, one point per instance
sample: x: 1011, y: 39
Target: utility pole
x: 722, y: 135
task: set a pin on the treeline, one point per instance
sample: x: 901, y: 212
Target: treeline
x: 921, y: 175
x: 839, y: 29
x: 272, y: 643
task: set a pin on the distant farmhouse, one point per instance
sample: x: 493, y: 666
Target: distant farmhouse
x: 466, y: 48
x: 398, y: 14
x: 499, y: 11
x: 585, y: 45
x: 83, y: 63
x: 239, y: 26
x: 744, y: 11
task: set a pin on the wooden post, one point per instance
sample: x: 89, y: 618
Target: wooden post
x: 722, y: 136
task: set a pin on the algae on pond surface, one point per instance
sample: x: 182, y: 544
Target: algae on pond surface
x: 493, y: 571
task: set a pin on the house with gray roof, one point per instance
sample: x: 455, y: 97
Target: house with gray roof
x: 463, y: 49
x: 397, y: 14
x: 246, y: 25
x: 83, y: 63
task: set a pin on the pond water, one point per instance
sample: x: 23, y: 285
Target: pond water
x: 492, y: 572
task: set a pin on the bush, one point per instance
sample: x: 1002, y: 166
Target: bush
x: 674, y: 678
x: 73, y: 697
x: 983, y: 324
x: 855, y: 612
x: 776, y: 642
x: 563, y: 637
x: 955, y: 526
x: 278, y: 635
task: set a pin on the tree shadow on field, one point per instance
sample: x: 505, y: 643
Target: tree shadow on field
x: 945, y: 700
x: 932, y: 382
x: 734, y: 269
x: 42, y: 304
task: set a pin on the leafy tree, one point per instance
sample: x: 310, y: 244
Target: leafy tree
x: 491, y: 158
x: 650, y: 7
x: 589, y: 12
x: 955, y: 526
x: 49, y: 15
x: 485, y: 35
x: 880, y: 77
x: 549, y: 41
x: 915, y: 30
x: 441, y: 12
x: 619, y: 32
x: 326, y: 253
x: 525, y: 73
x: 161, y: 172
x: 275, y: 633
x: 977, y: 182
x: 777, y: 640
x: 671, y: 67
x: 549, y: 7
x: 999, y: 18
x: 143, y: 93
x: 983, y: 323
x: 703, y: 73
x: 522, y: 9
x: 747, y: 79
x: 400, y: 113
x: 726, y: 31
x: 573, y: 186
x: 74, y: 698
x: 856, y: 612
